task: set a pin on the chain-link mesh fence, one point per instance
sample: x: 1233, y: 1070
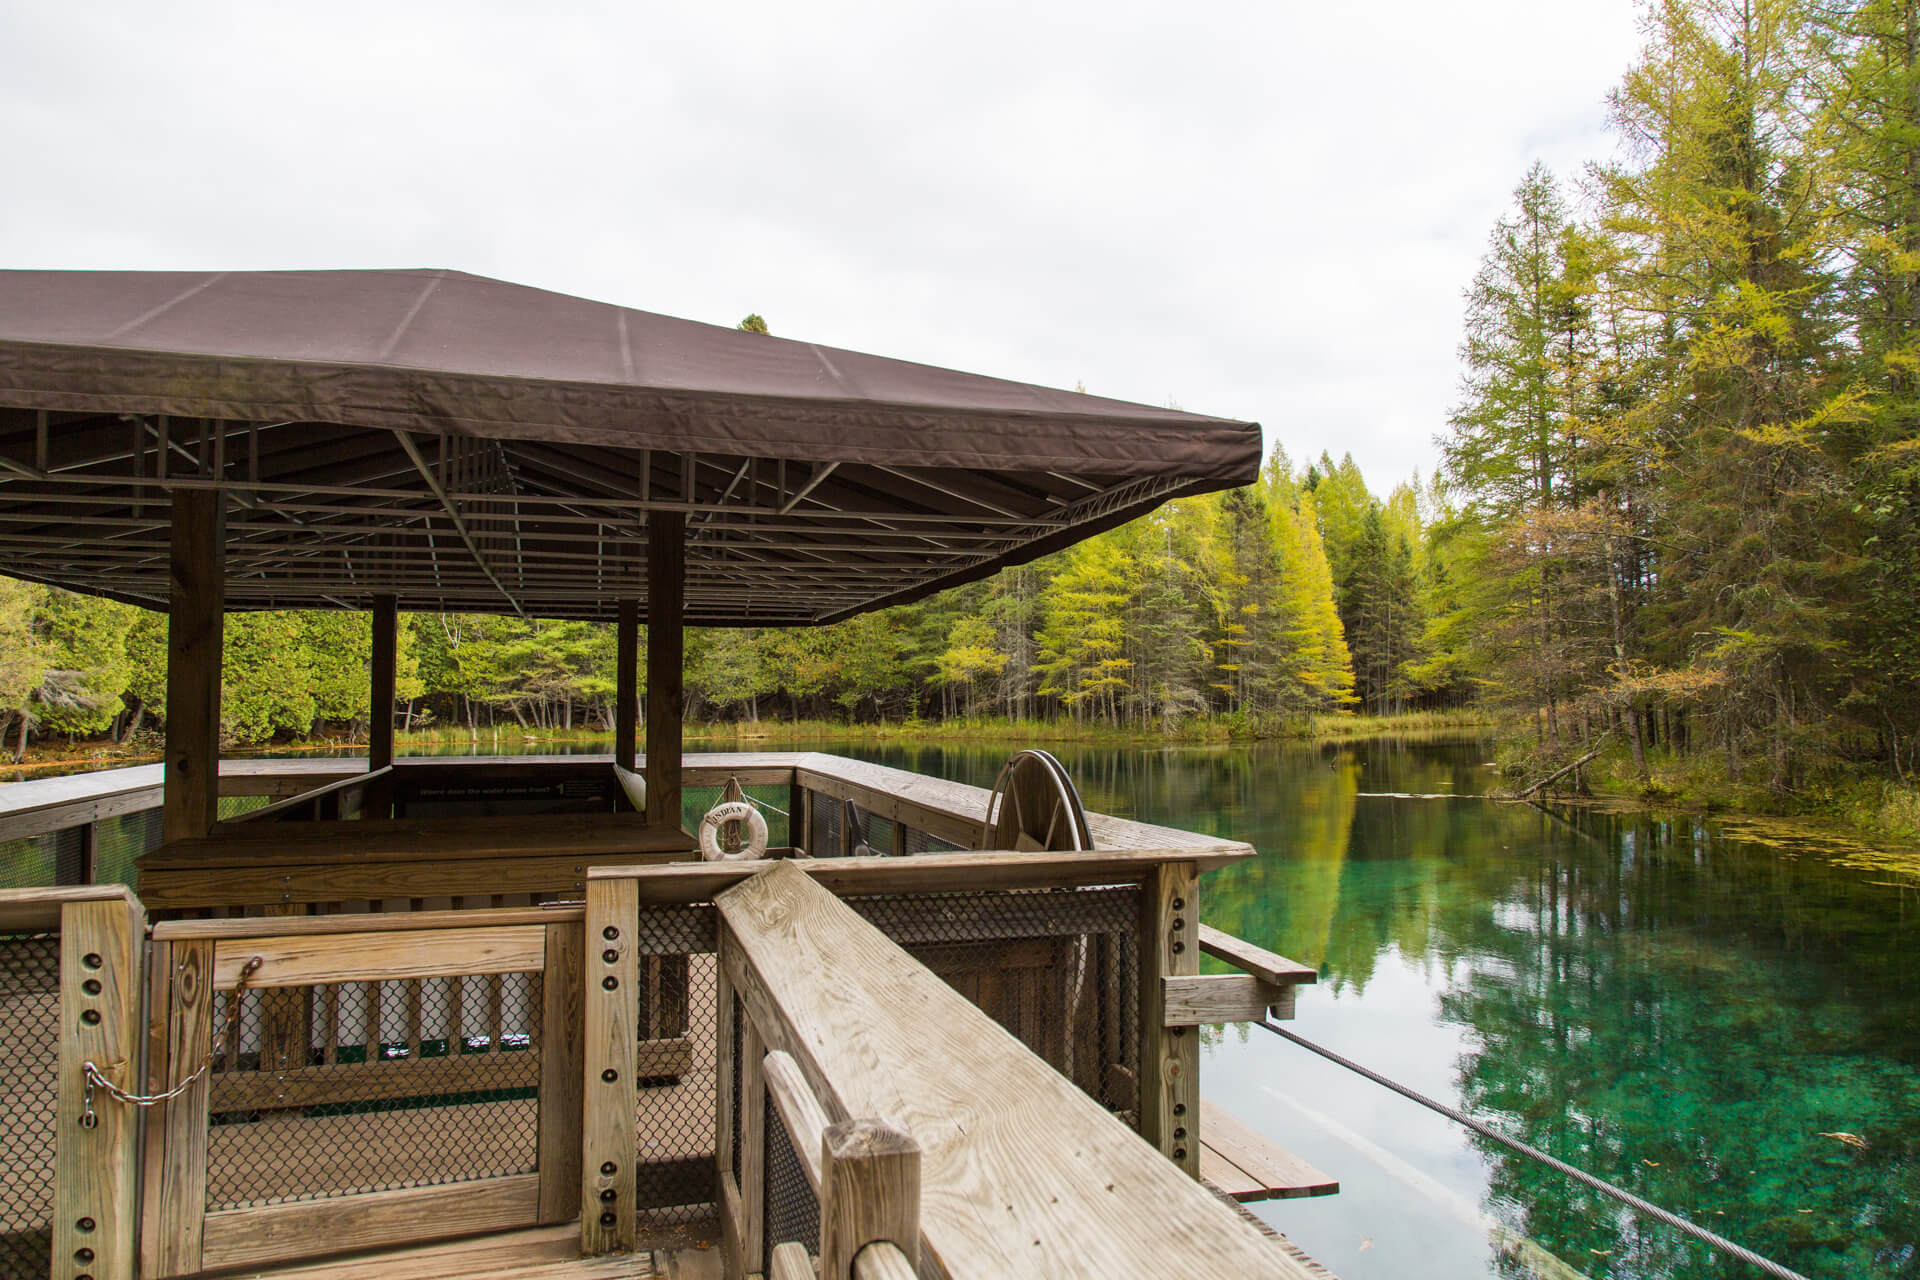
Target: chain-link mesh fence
x: 676, y: 1072
x: 792, y: 1209
x: 29, y: 1072
x: 118, y: 841
x: 342, y: 1088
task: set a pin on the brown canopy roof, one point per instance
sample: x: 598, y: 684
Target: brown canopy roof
x: 469, y: 444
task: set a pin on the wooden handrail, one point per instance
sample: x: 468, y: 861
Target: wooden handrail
x: 876, y: 1033
x: 1258, y: 961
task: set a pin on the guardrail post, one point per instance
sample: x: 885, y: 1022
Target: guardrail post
x: 611, y: 1052
x: 869, y: 1191
x: 562, y: 1068
x: 96, y: 1136
x: 1169, y: 1056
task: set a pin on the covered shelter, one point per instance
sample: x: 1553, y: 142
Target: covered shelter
x: 203, y: 442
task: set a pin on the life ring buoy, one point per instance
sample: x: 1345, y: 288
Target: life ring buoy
x: 754, y: 843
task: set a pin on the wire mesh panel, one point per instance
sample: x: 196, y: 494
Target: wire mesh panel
x: 29, y: 1069
x: 342, y: 1088
x: 792, y: 1208
x: 35, y: 862
x: 920, y: 842
x: 1059, y: 968
x: 823, y: 841
x: 118, y: 841
x: 674, y: 1115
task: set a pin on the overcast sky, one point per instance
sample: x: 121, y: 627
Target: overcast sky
x: 1262, y: 211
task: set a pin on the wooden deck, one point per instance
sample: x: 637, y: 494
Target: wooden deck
x: 1242, y: 1165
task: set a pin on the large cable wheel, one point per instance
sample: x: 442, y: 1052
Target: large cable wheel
x: 1035, y: 808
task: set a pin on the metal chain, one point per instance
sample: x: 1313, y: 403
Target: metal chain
x: 97, y: 1080
x: 1632, y: 1201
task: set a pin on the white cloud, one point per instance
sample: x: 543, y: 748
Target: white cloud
x: 1261, y: 210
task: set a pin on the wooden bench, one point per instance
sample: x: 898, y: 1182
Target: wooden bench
x: 1242, y: 1165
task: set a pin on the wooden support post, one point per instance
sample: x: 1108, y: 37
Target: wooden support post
x: 175, y: 1226
x: 626, y: 680
x: 611, y: 1050
x: 96, y: 1159
x: 1169, y: 1056
x: 195, y: 632
x: 753, y: 1148
x: 869, y: 1191
x: 562, y: 1071
x: 666, y: 649
x: 386, y: 657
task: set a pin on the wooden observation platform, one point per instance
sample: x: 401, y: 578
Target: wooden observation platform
x: 500, y: 1017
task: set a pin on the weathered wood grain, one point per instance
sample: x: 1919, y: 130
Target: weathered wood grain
x: 367, y: 922
x: 406, y: 954
x: 1259, y: 961
x: 1208, y: 999
x: 1169, y: 1056
x: 172, y: 1227
x: 39, y: 910
x: 666, y: 653
x: 562, y: 1070
x: 196, y: 583
x: 1012, y: 1153
x: 246, y: 1237
x: 612, y: 1008
x: 96, y: 1170
x: 1275, y: 1171
x: 798, y: 1109
x: 869, y: 1191
x: 791, y: 1262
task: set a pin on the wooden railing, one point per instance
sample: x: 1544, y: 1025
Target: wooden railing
x: 341, y: 798
x: 839, y: 1024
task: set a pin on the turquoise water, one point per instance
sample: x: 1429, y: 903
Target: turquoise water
x: 1677, y: 1008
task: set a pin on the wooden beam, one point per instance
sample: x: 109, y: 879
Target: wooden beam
x: 626, y: 701
x: 562, y: 1071
x: 1258, y: 961
x: 666, y: 651
x: 425, y: 953
x: 1169, y: 1056
x: 386, y: 641
x: 174, y: 1224
x: 96, y: 1138
x: 607, y: 1144
x: 245, y: 1237
x: 195, y: 633
x: 799, y: 1110
x: 869, y: 1191
x: 1199, y: 1000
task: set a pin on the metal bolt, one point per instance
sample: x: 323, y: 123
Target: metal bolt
x: 1179, y: 1153
x: 1179, y: 904
x: 1178, y: 947
x: 609, y: 933
x: 1178, y: 924
x: 607, y: 1219
x: 609, y: 1196
x: 85, y: 1224
x: 608, y: 1169
x: 610, y: 982
x: 91, y: 986
x: 83, y: 1255
x: 1179, y: 1108
x: 91, y: 960
x: 610, y: 956
x: 610, y: 1075
x: 1180, y: 1133
x: 90, y: 1016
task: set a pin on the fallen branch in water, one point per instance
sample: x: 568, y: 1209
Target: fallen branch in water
x: 1560, y: 773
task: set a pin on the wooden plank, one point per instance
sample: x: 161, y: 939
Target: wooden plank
x: 723, y: 1067
x: 608, y: 1100
x: 666, y: 655
x: 600, y: 835
x: 374, y: 1081
x: 791, y: 1261
x: 236, y: 828
x: 96, y: 1169
x: 173, y: 1225
x: 798, y: 1109
x: 753, y: 1143
x: 1169, y: 1056
x: 877, y: 1034
x: 286, y: 1016
x: 884, y: 1261
x: 1278, y: 1171
x: 196, y: 586
x: 372, y: 882
x: 408, y: 954
x: 626, y: 695
x: 1211, y: 999
x: 382, y: 669
x: 1229, y: 1179
x: 1258, y: 961
x: 562, y: 1068
x: 929, y: 873
x: 869, y: 1191
x: 245, y: 1237
x: 153, y: 1147
x: 38, y: 910
x: 368, y: 922
x: 438, y: 1261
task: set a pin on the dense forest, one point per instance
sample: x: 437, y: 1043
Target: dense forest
x: 1678, y: 515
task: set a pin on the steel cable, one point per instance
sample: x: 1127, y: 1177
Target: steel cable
x: 1601, y: 1185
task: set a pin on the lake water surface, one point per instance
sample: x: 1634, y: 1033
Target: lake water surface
x: 1680, y: 1009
